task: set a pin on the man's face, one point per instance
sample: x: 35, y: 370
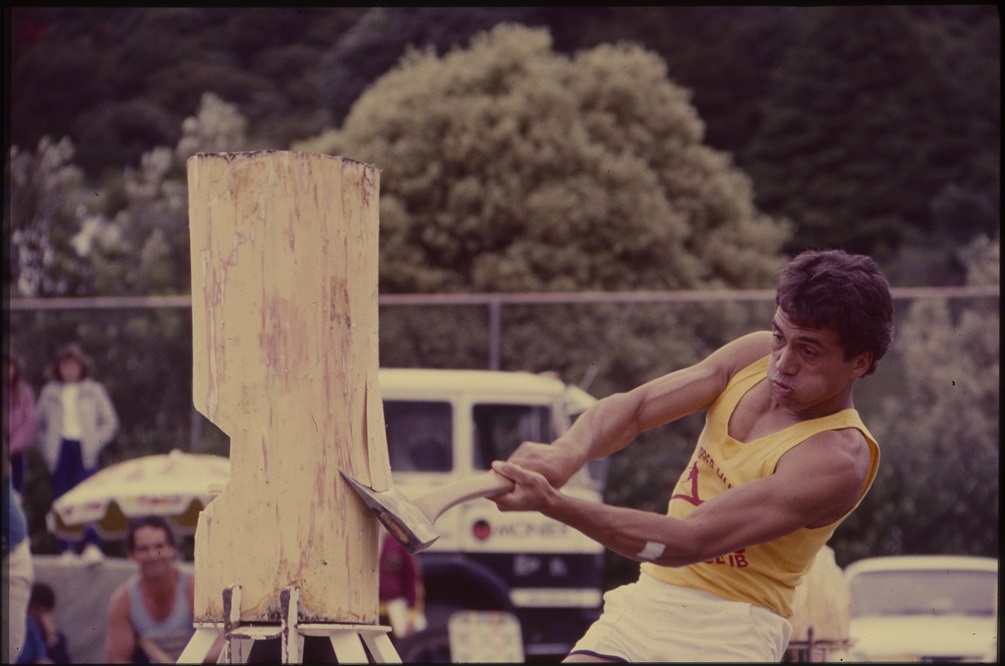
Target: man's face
x: 153, y: 552
x: 807, y: 371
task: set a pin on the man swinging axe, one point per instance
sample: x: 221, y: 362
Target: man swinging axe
x: 783, y: 458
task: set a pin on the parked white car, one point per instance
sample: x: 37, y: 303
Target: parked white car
x: 924, y: 608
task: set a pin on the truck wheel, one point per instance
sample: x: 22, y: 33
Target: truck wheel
x: 431, y: 646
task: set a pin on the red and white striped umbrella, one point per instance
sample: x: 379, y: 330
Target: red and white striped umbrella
x: 175, y: 485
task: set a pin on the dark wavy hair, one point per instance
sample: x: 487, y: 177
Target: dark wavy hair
x: 846, y: 292
x: 158, y: 522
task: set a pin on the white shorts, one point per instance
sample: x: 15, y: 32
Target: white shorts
x: 651, y: 621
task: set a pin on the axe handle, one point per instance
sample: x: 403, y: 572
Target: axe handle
x: 435, y: 502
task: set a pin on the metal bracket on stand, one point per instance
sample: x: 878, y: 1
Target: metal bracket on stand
x: 352, y: 643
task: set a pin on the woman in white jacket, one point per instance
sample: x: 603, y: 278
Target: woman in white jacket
x: 76, y: 420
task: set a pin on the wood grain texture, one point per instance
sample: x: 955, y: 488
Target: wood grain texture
x: 284, y: 318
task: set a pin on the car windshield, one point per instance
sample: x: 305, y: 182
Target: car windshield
x: 938, y: 591
x: 499, y: 429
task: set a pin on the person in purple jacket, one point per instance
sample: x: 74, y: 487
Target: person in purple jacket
x: 20, y: 421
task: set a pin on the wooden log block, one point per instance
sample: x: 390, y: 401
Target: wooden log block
x: 284, y: 326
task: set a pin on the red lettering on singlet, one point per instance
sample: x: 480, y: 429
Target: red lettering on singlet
x: 735, y: 560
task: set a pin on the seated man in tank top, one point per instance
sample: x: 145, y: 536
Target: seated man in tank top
x: 783, y: 458
x: 150, y: 616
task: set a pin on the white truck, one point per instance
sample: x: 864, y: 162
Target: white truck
x: 445, y: 425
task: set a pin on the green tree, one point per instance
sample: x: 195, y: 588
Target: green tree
x: 909, y: 167
x: 129, y: 236
x: 54, y: 73
x: 694, y: 41
x: 115, y: 134
x: 964, y: 44
x: 378, y: 39
x: 864, y: 129
x: 937, y: 488
x: 131, y: 239
x: 44, y: 195
x: 138, y: 241
x: 506, y: 167
x: 118, y: 81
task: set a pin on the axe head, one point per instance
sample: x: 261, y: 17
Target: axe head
x: 398, y: 514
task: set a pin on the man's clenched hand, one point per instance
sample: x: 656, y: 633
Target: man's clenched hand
x: 532, y: 491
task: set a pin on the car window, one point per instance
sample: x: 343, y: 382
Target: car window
x: 500, y: 428
x: 926, y: 592
x: 419, y: 435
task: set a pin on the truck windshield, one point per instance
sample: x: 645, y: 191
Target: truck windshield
x: 419, y: 435
x: 500, y: 428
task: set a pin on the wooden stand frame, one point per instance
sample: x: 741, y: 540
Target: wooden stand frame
x: 352, y: 643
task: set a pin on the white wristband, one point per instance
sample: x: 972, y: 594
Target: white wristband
x: 651, y: 551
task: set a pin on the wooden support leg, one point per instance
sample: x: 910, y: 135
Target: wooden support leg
x: 199, y: 645
x: 381, y: 648
x: 351, y: 643
x: 290, y: 637
x: 202, y: 641
x: 233, y: 647
x: 348, y: 648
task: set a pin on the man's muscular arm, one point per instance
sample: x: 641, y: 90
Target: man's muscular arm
x: 814, y: 484
x: 120, y: 640
x: 610, y: 424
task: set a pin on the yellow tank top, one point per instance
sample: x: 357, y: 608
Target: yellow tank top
x: 765, y: 574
